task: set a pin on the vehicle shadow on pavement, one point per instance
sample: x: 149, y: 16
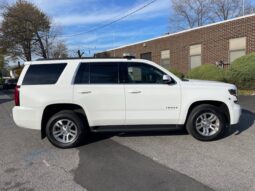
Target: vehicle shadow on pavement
x: 97, y: 137
x: 246, y: 121
x: 108, y: 165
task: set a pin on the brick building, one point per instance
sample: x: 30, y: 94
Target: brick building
x: 223, y: 41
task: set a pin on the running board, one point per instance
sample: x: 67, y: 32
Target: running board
x: 135, y: 128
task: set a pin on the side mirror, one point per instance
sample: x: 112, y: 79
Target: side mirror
x: 167, y: 79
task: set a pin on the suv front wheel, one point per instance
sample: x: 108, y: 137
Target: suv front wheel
x: 206, y: 123
x: 65, y: 129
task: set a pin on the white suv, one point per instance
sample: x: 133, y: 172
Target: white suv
x: 67, y: 99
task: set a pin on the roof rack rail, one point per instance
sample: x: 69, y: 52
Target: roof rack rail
x: 45, y: 59
x: 42, y: 59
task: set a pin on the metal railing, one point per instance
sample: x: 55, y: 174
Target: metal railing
x: 226, y: 66
x: 223, y: 65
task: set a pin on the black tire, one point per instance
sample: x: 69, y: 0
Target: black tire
x: 194, y: 115
x: 65, y: 115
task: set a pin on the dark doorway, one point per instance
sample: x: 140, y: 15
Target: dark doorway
x: 146, y: 56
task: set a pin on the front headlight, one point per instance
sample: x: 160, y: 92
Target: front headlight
x: 233, y: 92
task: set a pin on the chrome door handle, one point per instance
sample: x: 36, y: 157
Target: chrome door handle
x: 135, y: 92
x: 85, y: 92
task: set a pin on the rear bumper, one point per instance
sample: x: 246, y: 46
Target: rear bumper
x: 236, y: 112
x: 28, y: 118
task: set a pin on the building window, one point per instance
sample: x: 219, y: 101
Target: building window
x: 146, y: 56
x: 165, y: 59
x: 195, y: 53
x: 237, y: 48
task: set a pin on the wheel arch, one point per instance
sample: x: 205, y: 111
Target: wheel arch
x: 223, y: 108
x: 52, y: 109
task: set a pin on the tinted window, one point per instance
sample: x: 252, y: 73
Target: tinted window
x: 144, y: 74
x: 82, y: 76
x: 43, y: 74
x: 102, y: 73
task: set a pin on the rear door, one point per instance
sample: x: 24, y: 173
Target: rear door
x: 97, y: 89
x: 149, y: 100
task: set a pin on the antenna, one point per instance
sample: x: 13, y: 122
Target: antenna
x: 243, y: 7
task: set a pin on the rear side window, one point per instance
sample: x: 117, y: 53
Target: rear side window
x: 82, y: 76
x: 42, y: 74
x: 104, y: 73
x: 98, y: 73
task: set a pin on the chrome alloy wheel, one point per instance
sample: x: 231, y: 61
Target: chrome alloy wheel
x: 65, y: 131
x: 207, y: 124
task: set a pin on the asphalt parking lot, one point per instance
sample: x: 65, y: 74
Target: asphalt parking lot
x: 145, y: 161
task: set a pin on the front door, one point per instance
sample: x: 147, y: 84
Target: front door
x: 149, y: 100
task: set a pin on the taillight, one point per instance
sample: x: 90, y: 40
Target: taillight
x: 16, y: 96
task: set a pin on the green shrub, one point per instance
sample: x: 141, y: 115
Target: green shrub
x: 206, y: 72
x: 176, y: 72
x: 242, y: 72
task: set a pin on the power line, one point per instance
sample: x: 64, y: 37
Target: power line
x: 112, y: 22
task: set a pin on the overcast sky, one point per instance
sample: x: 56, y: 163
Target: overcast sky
x: 77, y: 16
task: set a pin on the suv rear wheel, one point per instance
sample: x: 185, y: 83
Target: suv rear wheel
x: 65, y: 129
x: 206, y: 123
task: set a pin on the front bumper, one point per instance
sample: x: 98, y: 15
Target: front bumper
x: 235, y: 113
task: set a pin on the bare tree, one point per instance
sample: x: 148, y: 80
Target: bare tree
x: 227, y: 9
x: 192, y: 12
x: 59, y: 50
x: 46, y: 41
x: 76, y: 53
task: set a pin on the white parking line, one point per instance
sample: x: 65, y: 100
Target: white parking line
x: 46, y: 163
